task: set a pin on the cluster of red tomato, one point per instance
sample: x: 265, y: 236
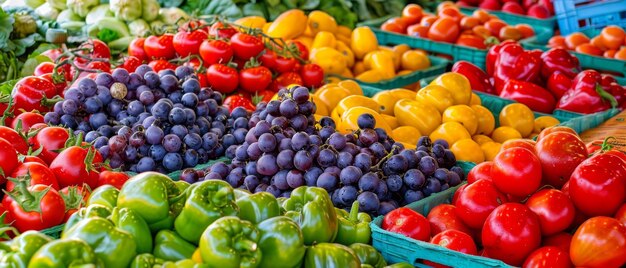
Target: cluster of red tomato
x: 512, y: 207
x: 541, y: 9
x: 234, y: 59
x: 480, y: 30
x: 47, y: 174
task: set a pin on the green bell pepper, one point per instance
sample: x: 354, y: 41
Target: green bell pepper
x: 231, y: 242
x: 115, y: 247
x: 65, y: 253
x: 353, y: 227
x: 312, y: 209
x: 95, y: 210
x: 330, y: 255
x: 105, y: 195
x: 146, y: 260
x: 184, y: 264
x: 239, y: 193
x: 208, y: 201
x: 258, y: 207
x: 154, y: 197
x: 400, y: 265
x: 129, y: 221
x: 169, y: 246
x: 281, y: 242
x: 19, y: 250
x: 368, y: 255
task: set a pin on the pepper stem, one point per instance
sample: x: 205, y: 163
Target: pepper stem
x: 606, y: 146
x: 607, y: 96
x: 354, y: 212
x: 245, y: 245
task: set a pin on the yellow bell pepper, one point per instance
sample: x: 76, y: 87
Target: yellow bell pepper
x: 345, y: 39
x: 344, y: 31
x: 266, y: 27
x: 335, y: 116
x: 331, y: 60
x: 322, y: 109
x: 486, y: 120
x: 370, y: 76
x: 403, y: 93
x: 363, y: 41
x: 544, y: 122
x: 458, y: 85
x: 356, y: 101
x: 414, y: 60
x: 346, y: 52
x: 451, y: 132
x: 467, y: 150
x: 255, y: 22
x: 350, y: 117
x: 387, y: 99
x: 422, y: 116
x: 406, y: 134
x: 352, y: 87
x: 331, y: 96
x: 437, y: 96
x: 490, y: 149
x: 392, y: 121
x: 400, y: 49
x: 324, y: 39
x: 505, y: 133
x: 462, y: 114
x: 480, y: 139
x: 394, y: 56
x: 347, y: 73
x: 383, y: 62
x: 475, y: 100
x: 359, y: 68
x: 290, y: 24
x: 321, y: 21
x: 519, y: 117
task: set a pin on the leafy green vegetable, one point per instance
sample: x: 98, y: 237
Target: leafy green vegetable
x: 7, y: 86
x: 32, y: 63
x: 107, y: 35
x: 6, y: 27
x: 254, y: 9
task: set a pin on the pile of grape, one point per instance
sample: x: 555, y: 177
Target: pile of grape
x: 148, y: 121
x: 284, y: 150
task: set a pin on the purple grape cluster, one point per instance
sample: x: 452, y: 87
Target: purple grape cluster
x: 148, y: 121
x: 286, y: 148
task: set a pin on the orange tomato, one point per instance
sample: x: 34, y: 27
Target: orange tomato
x: 494, y: 26
x: 610, y: 53
x: 392, y: 27
x: 510, y: 33
x: 404, y: 22
x: 471, y: 41
x: 598, y: 42
x: 575, y: 39
x: 482, y: 15
x: 557, y: 42
x: 589, y: 49
x: 417, y: 30
x: 445, y: 29
x: 413, y: 13
x: 450, y: 11
x: 468, y: 23
x: 525, y: 29
x: 428, y: 20
x: 621, y: 54
x: 445, y: 4
x: 612, y: 36
x: 481, y: 31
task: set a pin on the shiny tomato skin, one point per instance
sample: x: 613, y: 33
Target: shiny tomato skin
x: 511, y: 233
x: 221, y: 30
x: 255, y: 79
x: 453, y: 240
x: 116, y: 179
x: 9, y: 159
x: 444, y: 29
x: 407, y: 222
x: 312, y: 75
x: 15, y: 139
x: 188, y: 43
x: 548, y: 257
x: 458, y: 192
x: 215, y: 51
x: 516, y: 171
x: 597, y: 186
x: 477, y: 201
x: 561, y: 240
x: 444, y: 217
x: 599, y: 242
x: 554, y: 210
x: 52, y: 210
x: 620, y: 215
x: 222, y: 78
x: 550, y: 130
x: 135, y: 49
x: 528, y: 144
x: 160, y: 47
x: 38, y: 173
x: 246, y: 46
x: 481, y: 171
x: 559, y: 154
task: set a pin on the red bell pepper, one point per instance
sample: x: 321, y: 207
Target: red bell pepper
x: 492, y: 54
x: 558, y: 83
x: 535, y: 97
x: 479, y: 80
x: 515, y: 63
x: 558, y: 59
x: 587, y: 95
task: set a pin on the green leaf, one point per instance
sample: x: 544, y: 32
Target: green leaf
x: 7, y: 87
x: 6, y: 27
x: 107, y: 35
x: 310, y: 4
x: 41, y: 48
x: 272, y: 3
x: 32, y: 63
x: 254, y: 9
x: 226, y: 8
x: 276, y: 11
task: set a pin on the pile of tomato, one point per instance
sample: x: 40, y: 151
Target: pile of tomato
x: 610, y: 43
x: 479, y: 30
x: 541, y: 9
x: 523, y: 206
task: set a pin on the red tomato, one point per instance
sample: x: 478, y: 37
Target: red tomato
x: 44, y: 68
x: 481, y: 171
x: 222, y: 78
x: 215, y: 51
x: 554, y: 209
x: 246, y: 46
x: 547, y: 257
x: 477, y: 201
x: 204, y: 81
x: 188, y: 43
x: 599, y: 242
x: 53, y: 54
x: 233, y: 101
x: 286, y: 79
x: 75, y: 197
x: 458, y: 192
x: 453, y: 240
x: 559, y: 154
x: 27, y: 119
x: 135, y: 49
x: 560, y: 240
x: 528, y: 144
x: 51, y: 139
x: 620, y: 215
x: 29, y: 94
x: 407, y: 222
x: 312, y: 75
x: 470, y: 40
x: 40, y: 213
x: 516, y: 171
x: 255, y: 79
x: 116, y: 179
x: 131, y: 63
x: 268, y: 59
x: 99, y: 65
x: 598, y: 185
x: 94, y: 49
x: 444, y: 217
x: 159, y: 65
x: 284, y: 65
x: 76, y: 166
x: 221, y: 30
x: 9, y: 159
x: 160, y: 47
x: 36, y: 173
x: 445, y: 29
x: 511, y: 233
x: 58, y: 85
x: 15, y: 139
x: 304, y: 51
x: 32, y: 159
x: 550, y: 130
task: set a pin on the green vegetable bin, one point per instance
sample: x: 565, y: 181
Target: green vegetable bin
x: 176, y: 174
x: 54, y: 232
x: 438, y: 66
x: 548, y: 24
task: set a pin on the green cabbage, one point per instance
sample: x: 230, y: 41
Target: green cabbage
x: 150, y: 10
x: 34, y: 3
x: 127, y: 10
x: 58, y: 4
x: 139, y: 28
x: 173, y: 15
x: 46, y: 11
x: 82, y: 7
x: 97, y: 13
x: 67, y: 16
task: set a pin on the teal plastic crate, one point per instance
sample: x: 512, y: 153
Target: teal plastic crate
x: 399, y: 248
x: 548, y: 24
x: 176, y: 174
x: 578, y: 15
x: 586, y: 122
x: 438, y: 66
x: 54, y: 232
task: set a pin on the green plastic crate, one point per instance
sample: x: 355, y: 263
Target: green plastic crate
x: 548, y: 24
x: 586, y: 122
x: 399, y: 248
x: 438, y: 66
x: 176, y: 174
x: 54, y: 232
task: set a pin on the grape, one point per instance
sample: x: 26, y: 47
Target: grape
x: 105, y: 130
x: 363, y: 162
x: 189, y: 175
x: 235, y: 178
x: 394, y: 183
x: 145, y: 164
x: 267, y: 142
x: 191, y: 86
x: 230, y: 152
x: 307, y: 108
x: 209, y: 141
x: 327, y: 122
x: 177, y: 116
x: 250, y: 168
x: 432, y: 186
x: 220, y: 168
x: 280, y: 180
x: 300, y: 94
x: 253, y: 151
x: 169, y: 83
x: 445, y: 187
x: 411, y: 196
x: 93, y: 105
x: 241, y: 122
x: 382, y: 191
x: 424, y: 141
x: 83, y: 126
x: 130, y: 153
x: 284, y: 159
x: 251, y: 182
x: 229, y: 140
x: 288, y: 108
x: 365, y: 121
x: 325, y: 132
x: 135, y: 81
x: 302, y: 160
x: 369, y: 182
x: 368, y: 202
x: 100, y: 141
x: 91, y: 136
x: 441, y: 174
x: 266, y: 165
x: 104, y: 79
x: 327, y: 181
x: 125, y: 131
x: 179, y: 130
x: 311, y: 175
x: 74, y: 94
x: 183, y: 71
x: 368, y: 137
x: 120, y: 75
x: 378, y: 149
x: 117, y: 143
x: 193, y: 141
x: 413, y: 179
x: 272, y: 189
x: 386, y: 207
x: 190, y: 100
x: 70, y: 107
x: 212, y: 176
x: 351, y: 175
x: 397, y: 164
x: 261, y: 128
x: 52, y: 118
x: 453, y: 179
x: 326, y: 158
x: 428, y: 165
x: 333, y: 170
x: 344, y: 159
x: 135, y: 108
x: 299, y: 122
x: 280, y: 121
x: 450, y: 160
x: 438, y: 150
x: 295, y: 179
x: 382, y: 135
x: 152, y: 79
x: 190, y: 158
x: 68, y: 121
x: 157, y: 152
x: 411, y: 158
x: 154, y: 135
x: 352, y: 149
x: 337, y: 141
x: 299, y: 141
x: 347, y: 195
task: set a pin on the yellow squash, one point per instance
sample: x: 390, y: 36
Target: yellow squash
x: 462, y: 114
x: 387, y: 100
x: 505, y: 133
x: 352, y: 87
x: 346, y: 52
x: 290, y: 24
x: 331, y: 60
x: 403, y: 93
x: 406, y: 134
x: 414, y: 60
x: 350, y: 117
x: 486, y: 120
x: 437, y: 96
x: 322, y: 109
x: 321, y: 21
x: 422, y: 116
x: 370, y: 76
x: 255, y: 22
x: 490, y: 149
x: 457, y: 84
x: 363, y: 41
x: 332, y: 95
x: 359, y: 68
x: 391, y: 120
x: 344, y: 31
x: 383, y: 62
x: 480, y: 139
x: 519, y: 117
x: 356, y: 101
x: 324, y: 39
x: 450, y: 132
x: 544, y: 122
x: 468, y: 150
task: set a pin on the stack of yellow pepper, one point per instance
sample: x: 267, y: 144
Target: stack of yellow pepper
x: 339, y: 50
x: 446, y: 109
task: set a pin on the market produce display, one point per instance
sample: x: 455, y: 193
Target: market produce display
x: 479, y: 30
x: 609, y: 43
x: 540, y: 9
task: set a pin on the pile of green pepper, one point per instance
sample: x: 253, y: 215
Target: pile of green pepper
x: 155, y: 222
